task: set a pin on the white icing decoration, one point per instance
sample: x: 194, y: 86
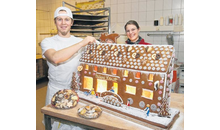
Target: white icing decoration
x: 158, y: 68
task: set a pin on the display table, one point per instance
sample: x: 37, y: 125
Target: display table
x: 108, y: 120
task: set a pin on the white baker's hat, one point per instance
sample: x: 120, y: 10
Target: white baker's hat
x: 68, y: 12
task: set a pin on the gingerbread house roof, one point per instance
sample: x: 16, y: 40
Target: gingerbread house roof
x: 150, y: 58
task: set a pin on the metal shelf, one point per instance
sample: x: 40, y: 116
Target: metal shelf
x: 87, y: 22
x: 89, y: 17
x: 88, y: 31
x: 87, y: 27
x: 93, y: 20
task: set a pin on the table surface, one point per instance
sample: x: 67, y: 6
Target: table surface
x: 108, y: 120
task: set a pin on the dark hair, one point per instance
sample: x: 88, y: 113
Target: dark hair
x: 132, y: 22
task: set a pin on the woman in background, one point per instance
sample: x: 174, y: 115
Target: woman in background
x: 132, y: 30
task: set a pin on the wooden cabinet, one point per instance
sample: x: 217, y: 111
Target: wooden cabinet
x: 41, y: 67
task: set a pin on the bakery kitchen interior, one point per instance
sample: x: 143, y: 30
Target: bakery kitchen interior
x: 133, y: 74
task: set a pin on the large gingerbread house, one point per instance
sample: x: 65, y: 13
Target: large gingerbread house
x: 140, y: 74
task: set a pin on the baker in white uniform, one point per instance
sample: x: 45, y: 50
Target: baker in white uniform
x: 62, y: 52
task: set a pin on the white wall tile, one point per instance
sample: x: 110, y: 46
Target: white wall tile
x: 142, y: 23
x: 120, y: 8
x: 150, y: 16
x: 135, y: 1
x: 128, y: 1
x: 175, y: 11
x: 114, y: 9
x: 127, y: 17
x: 114, y: 17
x: 167, y: 4
x: 113, y: 2
x: 181, y: 56
x: 167, y: 13
x: 181, y: 46
x: 142, y: 6
x: 150, y: 5
x: 120, y: 17
x: 121, y: 1
x: 127, y: 7
x: 142, y: 34
x: 176, y: 38
x: 134, y: 7
x: 181, y: 38
x: 158, y: 14
x: 163, y: 39
x: 159, y: 5
x: 142, y: 16
x: 176, y: 4
x: 182, y: 4
x: 134, y: 16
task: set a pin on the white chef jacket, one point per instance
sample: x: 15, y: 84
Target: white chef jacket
x: 60, y: 76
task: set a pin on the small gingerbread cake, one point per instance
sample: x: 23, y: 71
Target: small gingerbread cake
x: 64, y: 99
x: 90, y: 111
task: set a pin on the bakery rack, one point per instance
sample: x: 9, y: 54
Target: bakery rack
x: 92, y: 21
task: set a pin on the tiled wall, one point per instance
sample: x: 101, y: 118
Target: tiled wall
x: 143, y: 11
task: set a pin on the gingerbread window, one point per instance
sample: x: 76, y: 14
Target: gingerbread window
x: 115, y: 85
x: 125, y: 74
x: 150, y: 77
x: 87, y: 67
x: 130, y: 89
x: 114, y: 71
x: 146, y: 93
x: 101, y: 85
x: 88, y: 83
x: 95, y: 68
x: 104, y: 70
x: 138, y: 75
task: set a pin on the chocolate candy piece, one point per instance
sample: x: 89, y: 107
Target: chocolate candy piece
x: 89, y: 51
x: 92, y: 56
x: 106, y: 58
x: 136, y: 55
x: 158, y: 56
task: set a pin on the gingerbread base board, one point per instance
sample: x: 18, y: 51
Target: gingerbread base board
x: 137, y: 114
